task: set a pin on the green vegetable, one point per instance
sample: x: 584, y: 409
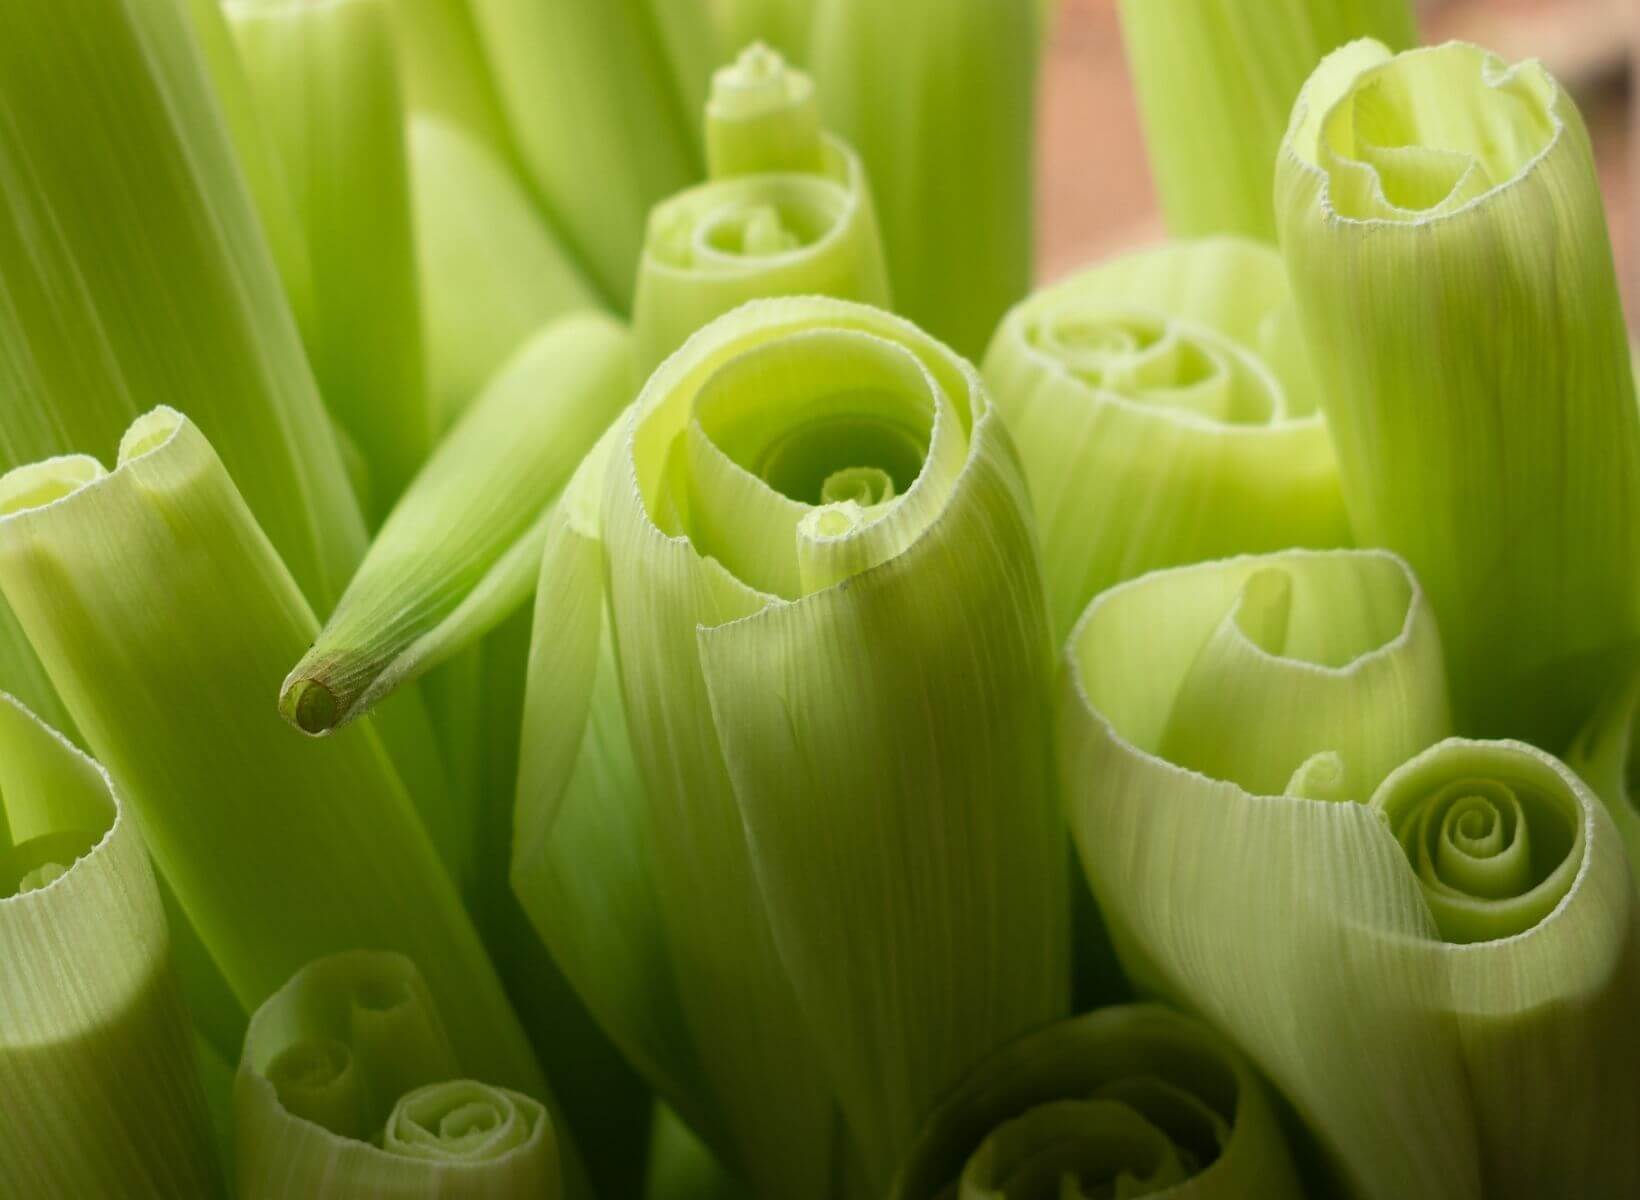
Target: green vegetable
x: 938, y: 96
x: 324, y: 79
x: 1603, y: 754
x: 600, y: 97
x: 1442, y: 224
x: 96, y: 1061
x: 1414, y: 973
x: 1165, y: 414
x: 166, y: 620
x: 1128, y: 1101
x: 771, y: 897
x: 1216, y: 80
x: 492, y: 272
x: 349, y: 1087
x: 462, y: 547
x: 787, y: 212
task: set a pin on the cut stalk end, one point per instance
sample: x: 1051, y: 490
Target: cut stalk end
x: 310, y: 706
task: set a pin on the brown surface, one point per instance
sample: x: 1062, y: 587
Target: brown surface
x: 1094, y: 195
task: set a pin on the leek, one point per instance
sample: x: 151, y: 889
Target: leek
x: 85, y: 343
x: 1603, y: 753
x: 938, y: 97
x: 166, y: 619
x: 1216, y: 80
x: 445, y: 77
x: 782, y: 24
x: 1165, y: 414
x: 795, y: 899
x: 596, y: 94
x: 492, y: 272
x: 96, y: 1061
x: 1127, y: 1101
x: 1444, y: 950
x: 325, y: 82
x: 348, y: 1086
x: 1442, y: 224
x: 787, y: 212
x: 461, y: 549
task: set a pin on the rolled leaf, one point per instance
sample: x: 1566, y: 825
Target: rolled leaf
x: 787, y: 212
x: 1128, y: 1101
x: 348, y: 1086
x: 492, y: 272
x: 166, y: 620
x: 1603, y: 753
x: 814, y: 500
x: 1165, y: 414
x: 325, y: 81
x: 1399, y: 969
x: 938, y: 98
x: 601, y: 109
x: 461, y: 549
x: 96, y: 1060
x: 1216, y: 81
x: 1443, y: 228
x: 167, y: 296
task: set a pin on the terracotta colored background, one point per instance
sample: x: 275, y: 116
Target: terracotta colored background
x: 1094, y: 194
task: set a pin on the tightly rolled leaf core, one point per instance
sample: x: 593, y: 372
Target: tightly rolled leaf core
x: 1495, y: 840
x: 1165, y: 414
x: 787, y: 212
x: 1125, y: 1102
x: 349, y: 1086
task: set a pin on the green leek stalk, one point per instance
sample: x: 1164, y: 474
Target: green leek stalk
x: 1165, y: 413
x: 462, y: 548
x: 349, y: 1086
x: 1604, y: 754
x: 598, y: 95
x: 325, y: 82
x: 787, y: 212
x: 1443, y: 229
x: 166, y: 620
x: 1444, y: 1004
x: 938, y: 97
x: 1135, y: 1100
x: 816, y: 853
x: 85, y: 343
x: 96, y: 1060
x: 444, y: 75
x: 680, y: 1167
x: 492, y: 272
x: 1216, y: 80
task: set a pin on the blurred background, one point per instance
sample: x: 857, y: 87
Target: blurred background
x: 1094, y: 195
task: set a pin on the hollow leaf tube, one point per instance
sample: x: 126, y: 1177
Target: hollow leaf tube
x: 1442, y: 225
x: 1165, y: 413
x: 787, y: 212
x: 96, y: 1058
x: 348, y: 1086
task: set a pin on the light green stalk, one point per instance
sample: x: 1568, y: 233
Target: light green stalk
x: 325, y: 82
x: 787, y: 212
x: 812, y: 501
x: 348, y: 1086
x: 938, y: 98
x: 1216, y: 80
x: 136, y: 273
x: 1443, y: 228
x: 597, y: 94
x: 1428, y: 977
x: 445, y: 77
x: 1128, y: 1101
x: 166, y: 620
x: 1604, y: 754
x: 462, y: 548
x: 492, y: 272
x: 96, y: 1061
x: 1165, y: 413
x: 680, y: 1167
